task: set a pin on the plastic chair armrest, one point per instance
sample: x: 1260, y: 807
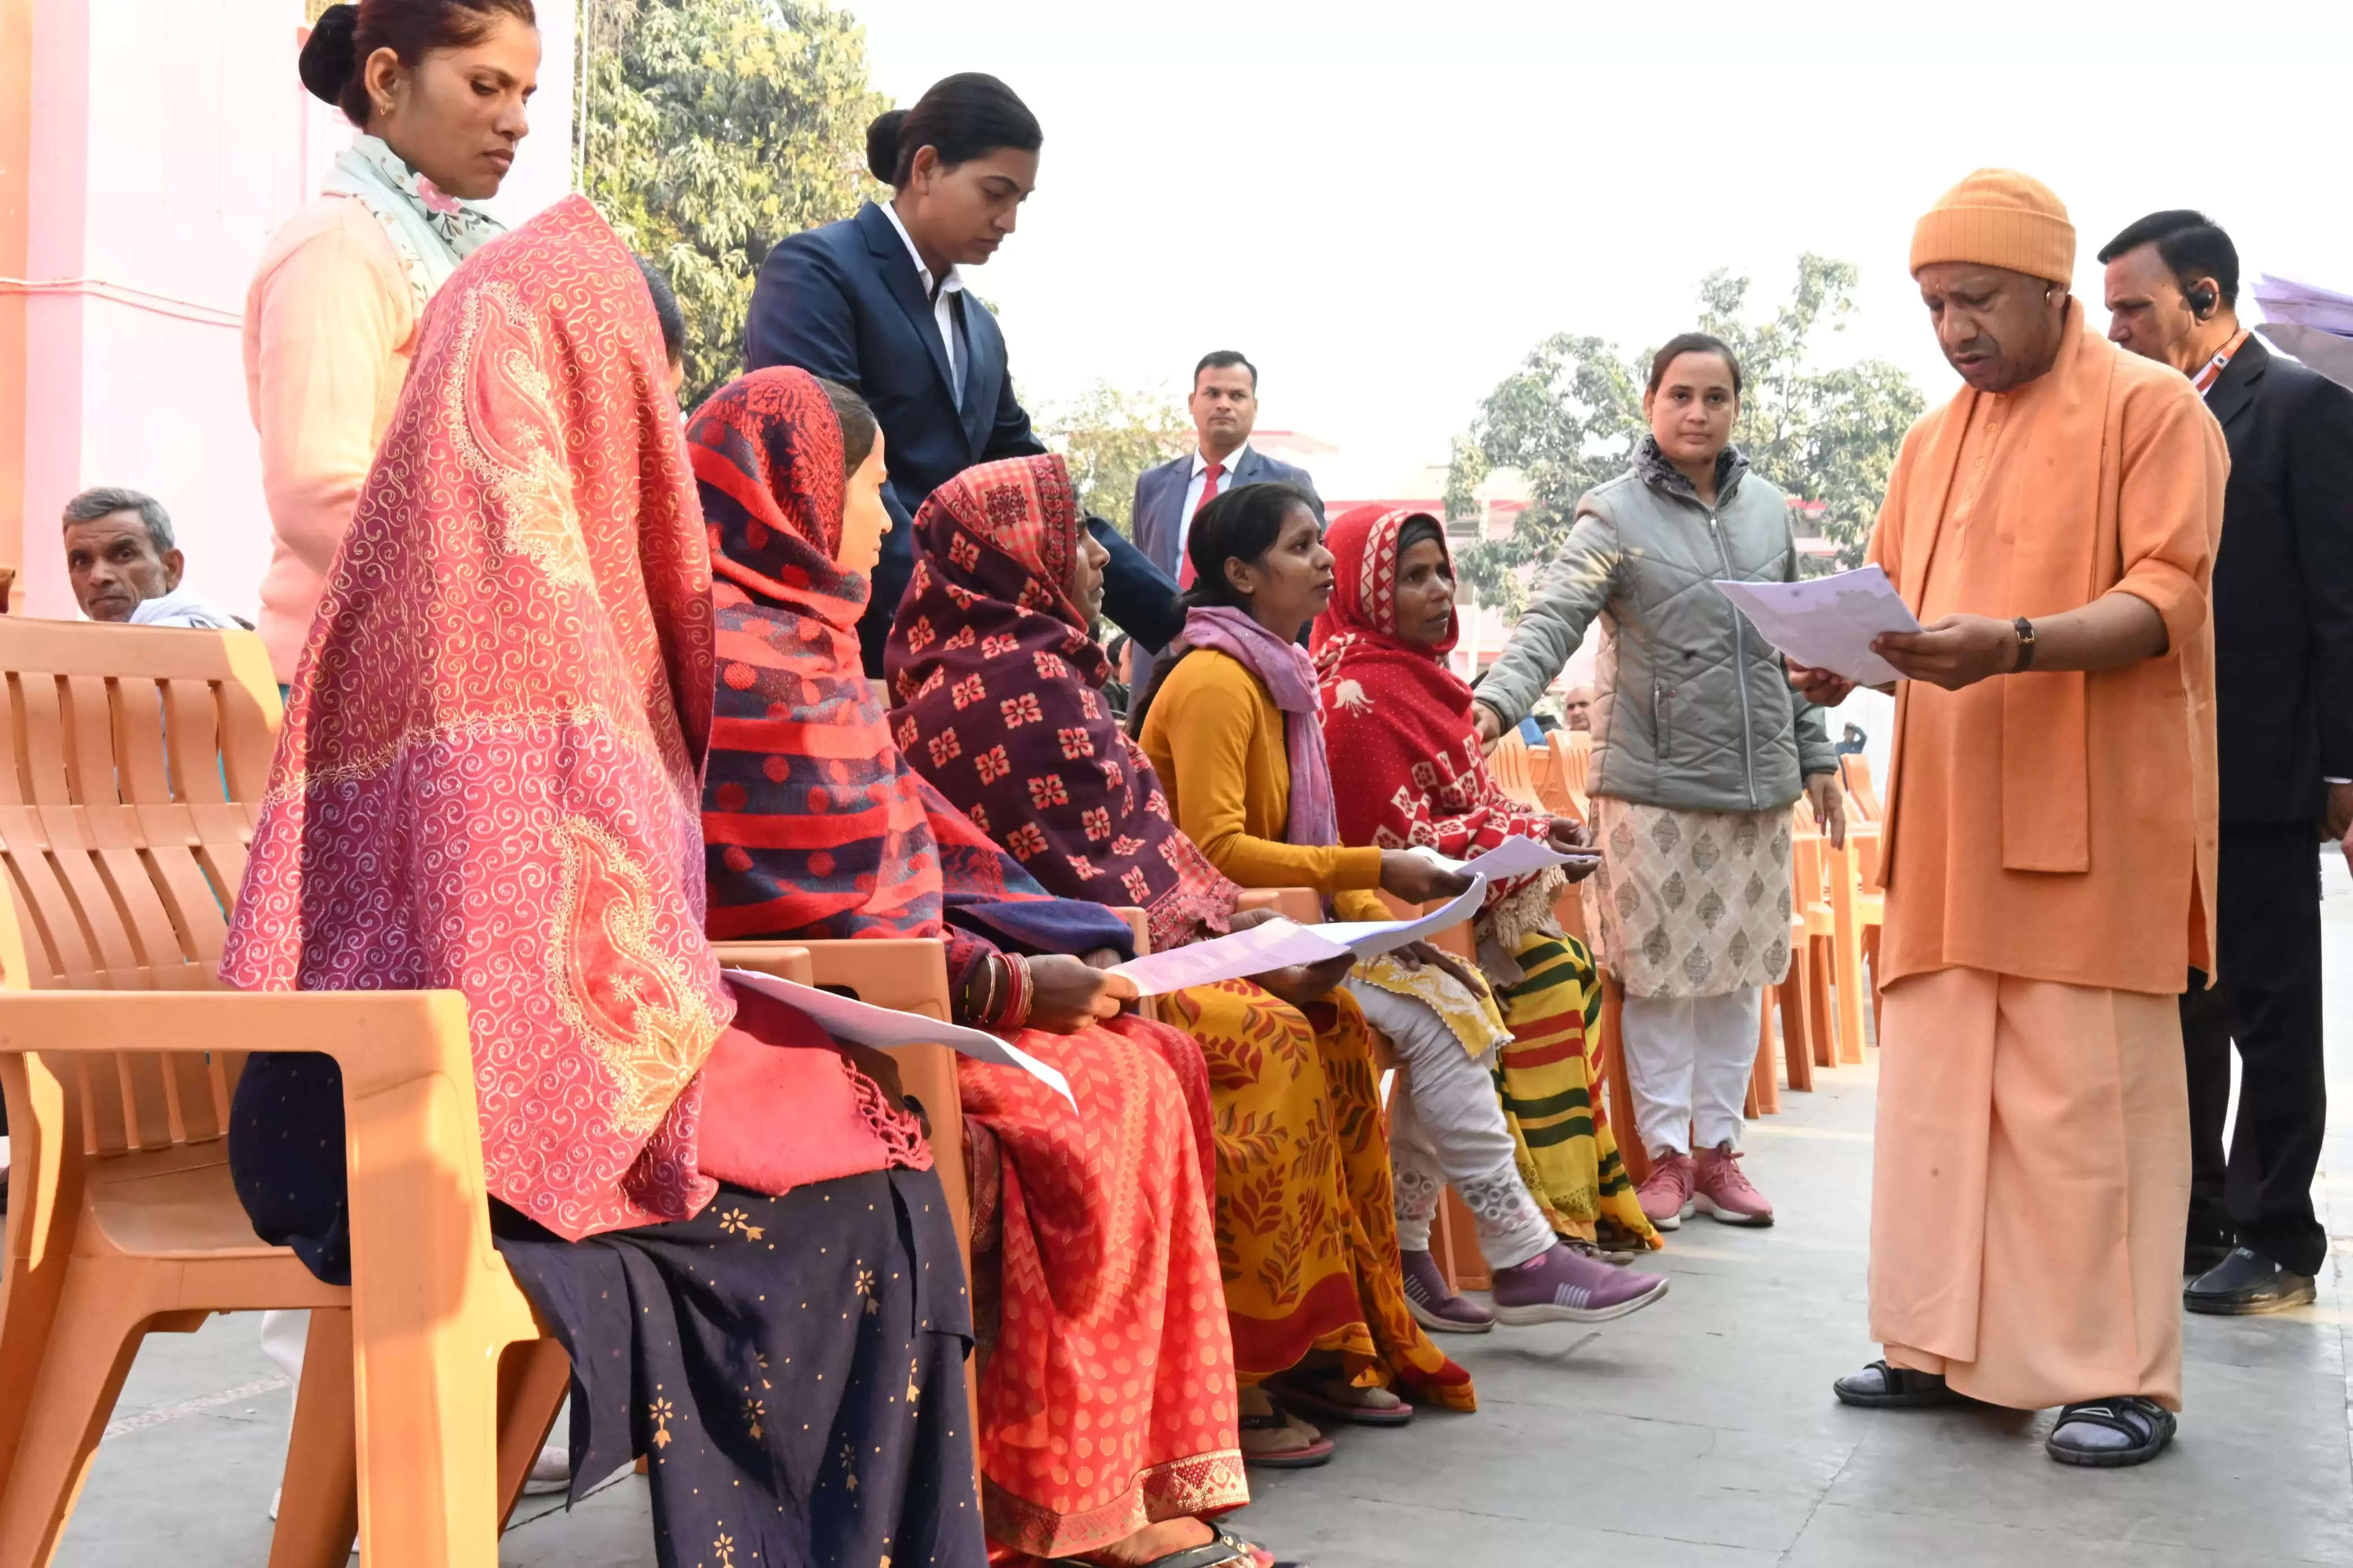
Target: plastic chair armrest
x: 1302, y: 905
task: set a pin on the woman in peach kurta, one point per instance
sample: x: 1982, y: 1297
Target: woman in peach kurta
x: 2049, y: 844
x: 331, y: 318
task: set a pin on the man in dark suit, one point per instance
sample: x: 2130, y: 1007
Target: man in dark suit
x: 1224, y: 405
x: 857, y: 302
x: 2284, y: 682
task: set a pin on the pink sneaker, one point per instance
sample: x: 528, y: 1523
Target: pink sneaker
x: 1725, y: 1193
x: 1666, y: 1194
x: 1563, y: 1286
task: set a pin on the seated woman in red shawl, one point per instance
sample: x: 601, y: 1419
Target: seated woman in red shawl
x: 1107, y: 1404
x: 487, y: 782
x: 999, y: 684
x: 1397, y: 725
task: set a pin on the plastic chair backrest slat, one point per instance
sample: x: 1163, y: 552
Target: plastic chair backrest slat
x: 137, y: 760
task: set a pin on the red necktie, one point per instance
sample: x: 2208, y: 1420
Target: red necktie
x: 1209, y: 494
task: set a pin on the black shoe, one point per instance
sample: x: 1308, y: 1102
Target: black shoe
x: 1880, y: 1387
x: 2198, y: 1256
x: 2247, y: 1282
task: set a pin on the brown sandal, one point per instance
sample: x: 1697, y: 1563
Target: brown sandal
x: 1306, y: 1457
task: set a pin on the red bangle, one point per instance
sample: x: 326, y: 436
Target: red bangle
x: 1020, y: 989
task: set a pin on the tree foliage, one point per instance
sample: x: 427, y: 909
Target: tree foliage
x: 1571, y: 416
x: 1109, y: 435
x: 713, y: 129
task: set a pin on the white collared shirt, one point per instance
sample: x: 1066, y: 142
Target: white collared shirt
x: 1193, y: 488
x: 940, y: 294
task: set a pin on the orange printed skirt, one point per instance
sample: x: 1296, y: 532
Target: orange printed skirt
x: 1306, y: 1225
x: 1110, y: 1400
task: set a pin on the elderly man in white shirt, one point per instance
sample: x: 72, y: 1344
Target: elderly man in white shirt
x: 126, y: 564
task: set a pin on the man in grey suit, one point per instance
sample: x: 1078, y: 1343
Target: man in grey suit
x: 1224, y: 405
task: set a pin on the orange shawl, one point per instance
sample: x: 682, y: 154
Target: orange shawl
x: 2059, y: 509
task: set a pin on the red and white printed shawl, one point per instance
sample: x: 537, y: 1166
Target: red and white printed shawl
x: 1396, y: 722
x: 488, y: 775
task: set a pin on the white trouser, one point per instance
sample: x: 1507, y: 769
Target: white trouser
x: 1447, y: 1129
x: 284, y: 1335
x: 1688, y: 1061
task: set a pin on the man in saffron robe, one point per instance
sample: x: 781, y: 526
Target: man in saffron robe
x: 2051, y: 844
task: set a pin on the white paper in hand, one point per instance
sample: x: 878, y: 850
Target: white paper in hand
x: 1828, y: 622
x: 1518, y: 858
x: 863, y: 1024
x: 1370, y: 939
x: 1272, y: 945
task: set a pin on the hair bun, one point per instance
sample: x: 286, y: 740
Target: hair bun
x: 882, y: 144
x: 329, y: 55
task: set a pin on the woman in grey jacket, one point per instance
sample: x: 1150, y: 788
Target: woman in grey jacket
x: 1699, y: 750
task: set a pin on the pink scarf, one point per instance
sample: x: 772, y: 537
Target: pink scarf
x: 1289, y: 677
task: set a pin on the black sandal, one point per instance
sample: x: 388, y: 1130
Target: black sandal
x: 1900, y: 1388
x: 1213, y: 1553
x: 2117, y: 1416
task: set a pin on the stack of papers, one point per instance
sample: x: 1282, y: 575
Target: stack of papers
x: 2313, y: 323
x: 1828, y: 622
x: 2306, y: 304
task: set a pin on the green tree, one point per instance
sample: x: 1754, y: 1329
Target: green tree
x: 1110, y: 435
x: 712, y: 129
x: 1571, y: 416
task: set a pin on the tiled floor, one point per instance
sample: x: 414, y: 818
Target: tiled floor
x: 1701, y: 1432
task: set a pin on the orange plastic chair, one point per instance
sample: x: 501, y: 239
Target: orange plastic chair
x: 1514, y: 774
x: 1573, y: 751
x: 1811, y: 910
x: 1854, y: 772
x: 1544, y: 769
x: 1612, y: 1050
x: 1787, y: 1000
x: 1848, y: 917
x: 126, y: 806
x: 1302, y: 906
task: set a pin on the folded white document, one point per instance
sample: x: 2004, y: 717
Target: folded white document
x: 1828, y: 622
x: 863, y: 1023
x: 1518, y: 858
x: 1370, y: 939
x: 1275, y: 944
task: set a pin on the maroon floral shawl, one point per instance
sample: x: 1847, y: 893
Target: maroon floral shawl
x: 1001, y: 704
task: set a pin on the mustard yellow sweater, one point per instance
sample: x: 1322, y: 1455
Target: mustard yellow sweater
x: 1215, y: 737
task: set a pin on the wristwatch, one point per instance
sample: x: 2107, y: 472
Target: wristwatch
x: 2025, y: 629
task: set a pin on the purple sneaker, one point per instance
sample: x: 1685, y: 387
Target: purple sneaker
x: 1565, y: 1287
x: 1436, y: 1308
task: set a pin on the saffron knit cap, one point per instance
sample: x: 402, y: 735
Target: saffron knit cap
x: 1999, y: 218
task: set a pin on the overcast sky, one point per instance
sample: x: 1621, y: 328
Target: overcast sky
x: 1386, y: 205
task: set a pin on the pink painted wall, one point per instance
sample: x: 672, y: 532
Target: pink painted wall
x: 169, y: 139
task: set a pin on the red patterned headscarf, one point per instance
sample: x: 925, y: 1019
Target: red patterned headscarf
x: 1396, y: 720
x: 814, y: 824
x: 810, y: 826
x: 1002, y: 706
x: 487, y: 779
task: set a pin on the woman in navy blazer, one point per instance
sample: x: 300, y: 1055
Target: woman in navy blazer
x: 876, y: 303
